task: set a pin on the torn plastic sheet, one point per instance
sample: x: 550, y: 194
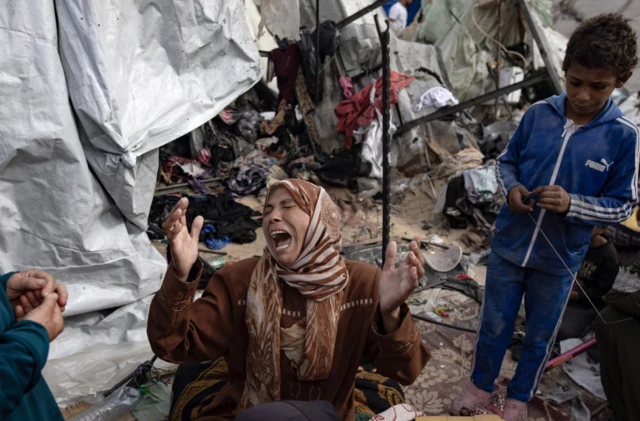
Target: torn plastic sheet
x: 281, y: 17
x: 135, y: 90
x: 56, y: 216
x: 582, y: 369
x: 95, y: 352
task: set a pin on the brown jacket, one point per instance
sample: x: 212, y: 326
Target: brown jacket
x: 184, y: 331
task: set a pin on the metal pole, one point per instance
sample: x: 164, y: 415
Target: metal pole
x: 543, y: 46
x: 446, y: 111
x: 435, y: 322
x: 360, y: 14
x: 386, y: 138
x: 317, y: 52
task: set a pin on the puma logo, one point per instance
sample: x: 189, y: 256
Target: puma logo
x: 604, y: 161
x: 601, y: 166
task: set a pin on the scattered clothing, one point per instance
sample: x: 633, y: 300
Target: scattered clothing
x: 24, y: 346
x: 347, y: 86
x: 307, y: 48
x: 306, y: 105
x: 241, y: 231
x: 341, y: 171
x: 270, y: 127
x: 481, y: 184
x: 329, y: 39
x: 248, y: 180
x: 211, y: 240
x: 358, y: 111
x: 398, y: 15
x: 286, y: 63
x: 214, y: 209
x: 436, y: 97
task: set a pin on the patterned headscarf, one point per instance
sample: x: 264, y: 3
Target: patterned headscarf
x: 320, y: 275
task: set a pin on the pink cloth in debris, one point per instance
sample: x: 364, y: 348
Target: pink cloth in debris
x: 402, y: 412
x: 347, y: 86
x: 358, y: 111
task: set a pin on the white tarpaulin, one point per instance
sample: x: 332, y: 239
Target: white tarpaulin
x: 143, y: 73
x: 139, y: 74
x: 77, y: 177
x: 55, y: 214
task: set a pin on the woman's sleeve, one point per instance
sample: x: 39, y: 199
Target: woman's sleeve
x: 400, y: 355
x: 183, y: 330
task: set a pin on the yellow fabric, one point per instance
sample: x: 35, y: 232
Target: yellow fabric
x: 632, y: 223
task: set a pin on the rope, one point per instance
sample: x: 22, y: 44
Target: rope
x: 502, y: 47
x: 574, y: 276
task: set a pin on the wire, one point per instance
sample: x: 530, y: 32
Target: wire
x: 574, y: 276
x: 143, y: 374
x: 502, y: 47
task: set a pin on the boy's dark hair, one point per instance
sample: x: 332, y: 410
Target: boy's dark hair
x: 605, y: 41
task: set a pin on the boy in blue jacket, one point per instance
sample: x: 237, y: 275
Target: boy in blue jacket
x: 571, y: 165
x: 31, y: 305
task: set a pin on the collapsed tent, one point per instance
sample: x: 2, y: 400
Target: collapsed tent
x: 78, y: 177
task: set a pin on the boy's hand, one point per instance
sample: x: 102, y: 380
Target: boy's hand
x: 515, y: 198
x: 554, y: 199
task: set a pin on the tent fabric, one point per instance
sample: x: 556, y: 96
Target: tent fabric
x: 56, y: 215
x: 92, y: 90
x: 77, y: 179
x: 141, y: 74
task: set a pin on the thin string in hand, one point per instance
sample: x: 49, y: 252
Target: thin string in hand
x: 574, y: 276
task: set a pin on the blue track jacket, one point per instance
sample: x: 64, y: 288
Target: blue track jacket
x: 597, y: 164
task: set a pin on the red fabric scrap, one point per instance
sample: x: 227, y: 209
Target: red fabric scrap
x: 358, y: 111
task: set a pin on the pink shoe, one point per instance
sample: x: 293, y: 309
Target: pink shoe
x: 515, y: 410
x: 469, y: 398
x: 496, y: 406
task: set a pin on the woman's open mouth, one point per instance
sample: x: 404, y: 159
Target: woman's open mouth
x: 281, y: 239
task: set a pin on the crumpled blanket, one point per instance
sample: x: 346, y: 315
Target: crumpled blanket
x: 358, y: 111
x: 248, y: 180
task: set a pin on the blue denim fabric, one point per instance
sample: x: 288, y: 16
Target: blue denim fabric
x: 545, y: 299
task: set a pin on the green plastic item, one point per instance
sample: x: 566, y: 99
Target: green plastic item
x: 155, y: 404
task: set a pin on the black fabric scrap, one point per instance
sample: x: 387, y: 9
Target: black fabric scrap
x: 217, y: 208
x: 241, y: 231
x: 212, y: 208
x: 341, y: 170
